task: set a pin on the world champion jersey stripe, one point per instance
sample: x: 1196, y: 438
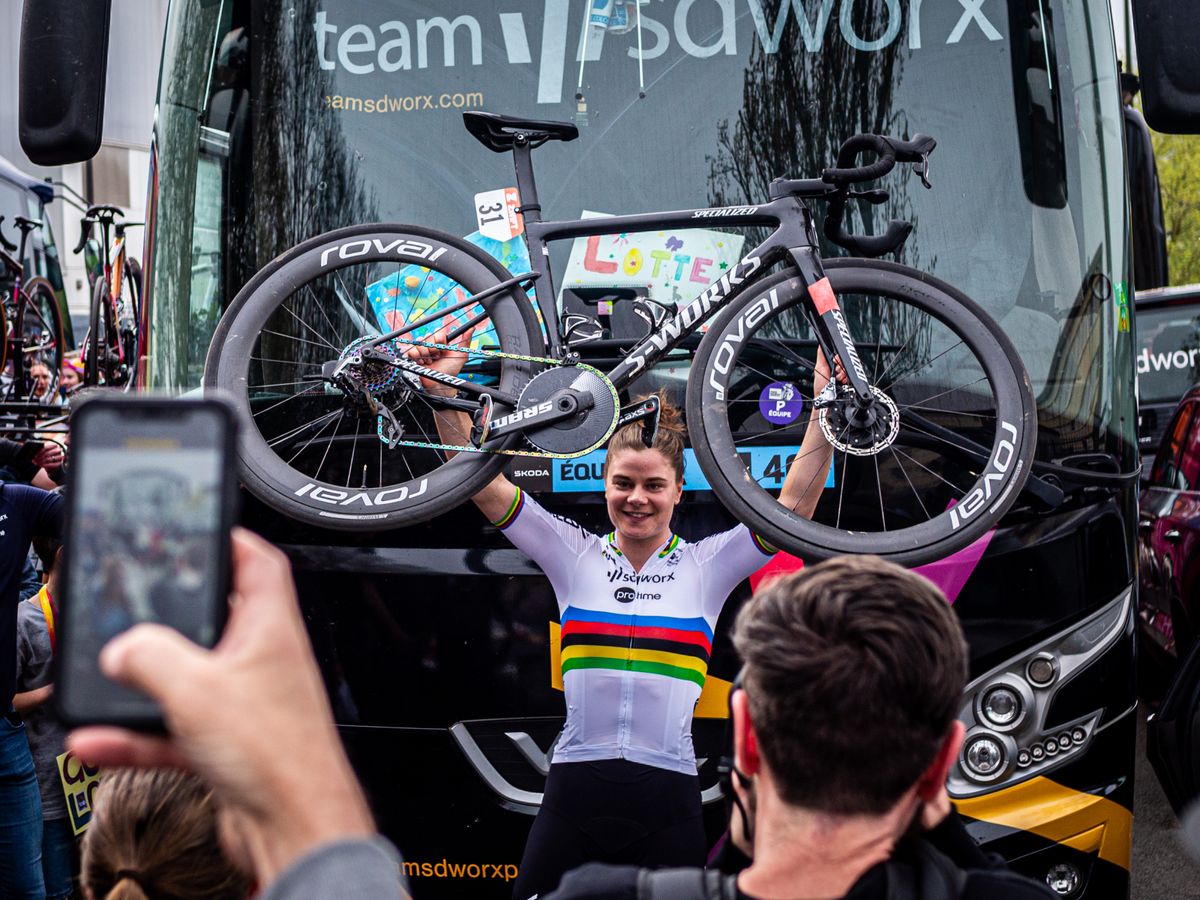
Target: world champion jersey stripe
x: 623, y: 632
x: 636, y: 643
x: 649, y: 668
x: 697, y: 623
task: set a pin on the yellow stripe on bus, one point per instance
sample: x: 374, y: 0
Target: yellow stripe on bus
x: 1076, y: 819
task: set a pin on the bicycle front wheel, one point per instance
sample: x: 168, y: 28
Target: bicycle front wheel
x: 311, y: 450
x: 99, y: 363
x: 953, y: 431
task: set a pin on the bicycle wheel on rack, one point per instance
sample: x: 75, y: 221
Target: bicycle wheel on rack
x: 129, y: 323
x: 951, y: 441
x: 312, y: 452
x: 38, y: 334
x: 98, y: 351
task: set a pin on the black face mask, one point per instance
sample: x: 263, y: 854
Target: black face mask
x: 727, y: 770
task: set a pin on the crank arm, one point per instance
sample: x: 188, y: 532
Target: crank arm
x: 561, y: 405
x: 647, y: 413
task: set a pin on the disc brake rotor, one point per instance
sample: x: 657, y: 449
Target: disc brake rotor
x: 861, y: 432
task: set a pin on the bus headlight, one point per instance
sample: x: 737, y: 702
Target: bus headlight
x: 1004, y: 710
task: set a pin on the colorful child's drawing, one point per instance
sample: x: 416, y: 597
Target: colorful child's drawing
x: 414, y: 292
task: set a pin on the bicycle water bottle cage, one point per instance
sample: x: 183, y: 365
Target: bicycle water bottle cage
x: 652, y: 312
x: 579, y: 329
x: 500, y: 133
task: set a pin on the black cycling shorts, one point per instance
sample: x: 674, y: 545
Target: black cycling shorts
x: 611, y: 811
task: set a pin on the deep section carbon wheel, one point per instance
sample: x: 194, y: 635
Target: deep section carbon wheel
x: 313, y: 450
x: 929, y: 466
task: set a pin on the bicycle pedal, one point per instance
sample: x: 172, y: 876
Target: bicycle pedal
x: 481, y: 421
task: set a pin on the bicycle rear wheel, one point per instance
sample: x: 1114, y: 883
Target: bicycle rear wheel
x: 98, y: 350
x: 129, y: 323
x: 308, y: 449
x: 38, y: 331
x: 958, y: 422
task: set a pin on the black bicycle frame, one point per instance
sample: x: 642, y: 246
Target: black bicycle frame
x: 794, y: 237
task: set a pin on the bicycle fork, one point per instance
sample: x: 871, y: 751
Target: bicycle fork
x: 833, y: 335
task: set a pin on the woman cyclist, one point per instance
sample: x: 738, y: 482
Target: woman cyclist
x: 638, y: 608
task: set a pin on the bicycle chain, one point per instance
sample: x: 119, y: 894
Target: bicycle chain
x: 471, y: 448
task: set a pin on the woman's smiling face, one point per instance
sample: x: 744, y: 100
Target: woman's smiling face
x: 642, y: 491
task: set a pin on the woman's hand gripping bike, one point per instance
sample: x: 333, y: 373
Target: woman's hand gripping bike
x: 933, y: 429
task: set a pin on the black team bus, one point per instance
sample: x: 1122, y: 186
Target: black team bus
x: 439, y: 644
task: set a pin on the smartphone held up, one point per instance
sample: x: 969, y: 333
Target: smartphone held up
x: 149, y: 513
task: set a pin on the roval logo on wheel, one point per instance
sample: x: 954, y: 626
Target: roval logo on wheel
x: 977, y: 499
x: 338, y: 497
x: 400, y: 246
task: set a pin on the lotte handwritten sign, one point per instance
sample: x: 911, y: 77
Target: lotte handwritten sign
x: 672, y: 265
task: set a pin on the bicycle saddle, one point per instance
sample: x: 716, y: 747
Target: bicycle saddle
x: 499, y: 133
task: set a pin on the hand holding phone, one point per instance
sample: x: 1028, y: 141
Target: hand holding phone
x: 149, y: 514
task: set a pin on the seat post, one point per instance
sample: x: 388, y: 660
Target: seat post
x: 526, y: 185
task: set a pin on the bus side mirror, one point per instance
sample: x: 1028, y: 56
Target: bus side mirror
x: 64, y: 58
x: 1168, y: 40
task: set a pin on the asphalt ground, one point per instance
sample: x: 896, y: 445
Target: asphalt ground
x: 1162, y: 868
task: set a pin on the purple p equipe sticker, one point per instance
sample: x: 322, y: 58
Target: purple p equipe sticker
x: 780, y: 403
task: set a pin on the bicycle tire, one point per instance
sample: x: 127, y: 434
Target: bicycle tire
x: 39, y: 321
x: 934, y: 320
x: 96, y: 341
x: 322, y: 272
x: 130, y: 331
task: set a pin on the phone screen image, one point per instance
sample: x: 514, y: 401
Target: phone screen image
x: 147, y: 541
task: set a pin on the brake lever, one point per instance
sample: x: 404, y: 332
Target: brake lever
x: 922, y: 169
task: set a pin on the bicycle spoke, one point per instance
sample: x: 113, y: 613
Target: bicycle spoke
x: 336, y: 332
x: 879, y: 483
x: 338, y: 412
x: 287, y: 309
x: 300, y: 340
x: 949, y: 484
x: 332, y: 438
x: 923, y: 365
x: 286, y: 399
x: 841, y: 491
x: 904, y: 472
x: 956, y: 412
x: 353, y: 448
x: 287, y: 435
x: 286, y: 362
x: 944, y: 393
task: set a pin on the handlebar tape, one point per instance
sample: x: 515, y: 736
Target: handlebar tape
x: 85, y: 230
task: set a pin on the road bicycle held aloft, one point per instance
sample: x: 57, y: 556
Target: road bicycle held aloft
x: 933, y: 431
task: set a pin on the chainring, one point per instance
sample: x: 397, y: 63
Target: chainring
x: 580, y: 431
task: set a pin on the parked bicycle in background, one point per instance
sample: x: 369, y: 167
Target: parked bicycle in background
x: 110, y: 349
x: 33, y: 346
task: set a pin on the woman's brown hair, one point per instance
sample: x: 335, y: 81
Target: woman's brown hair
x: 668, y: 440
x: 154, y: 834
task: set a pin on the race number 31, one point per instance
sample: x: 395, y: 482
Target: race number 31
x: 497, y: 216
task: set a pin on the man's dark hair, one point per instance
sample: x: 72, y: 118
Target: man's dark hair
x: 46, y: 549
x: 854, y: 670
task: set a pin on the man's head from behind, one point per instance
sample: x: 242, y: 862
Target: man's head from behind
x: 854, y: 671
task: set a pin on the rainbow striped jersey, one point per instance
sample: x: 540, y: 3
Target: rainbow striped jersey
x: 635, y: 644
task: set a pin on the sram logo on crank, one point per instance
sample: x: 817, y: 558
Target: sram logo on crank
x: 998, y: 467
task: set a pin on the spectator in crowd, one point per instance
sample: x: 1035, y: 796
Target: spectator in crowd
x: 70, y: 376
x: 155, y: 834
x: 39, y: 372
x: 229, y: 712
x: 37, y: 618
x: 25, y: 512
x: 841, y: 660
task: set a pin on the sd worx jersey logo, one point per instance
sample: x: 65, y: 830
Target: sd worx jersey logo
x: 615, y: 575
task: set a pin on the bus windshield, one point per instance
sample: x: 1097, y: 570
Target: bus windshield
x: 286, y: 120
